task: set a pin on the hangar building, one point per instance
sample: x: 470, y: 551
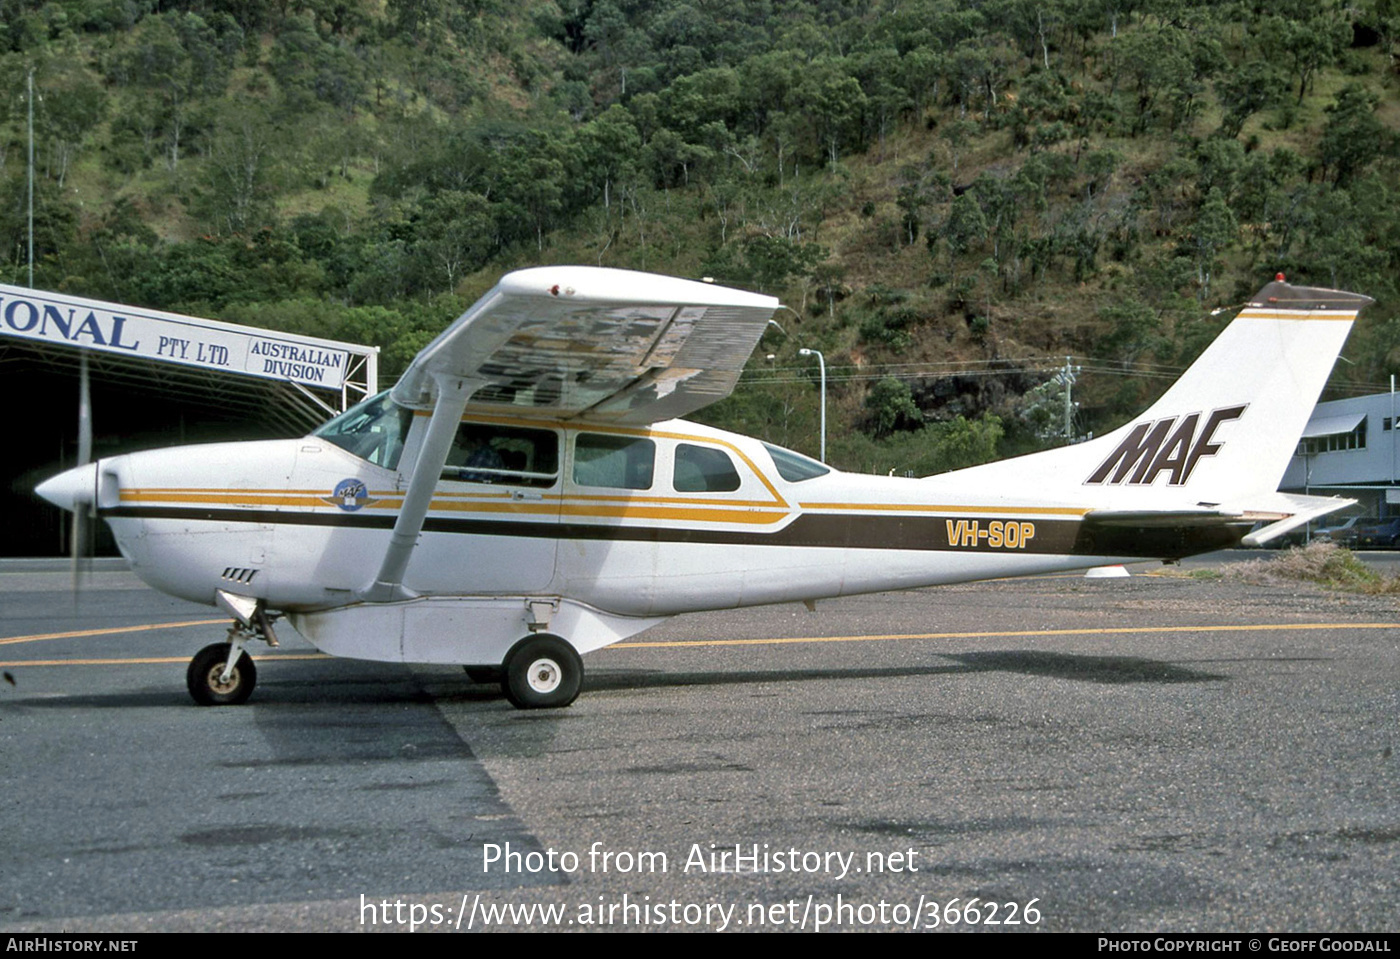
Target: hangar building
x: 157, y: 379
x: 1349, y: 448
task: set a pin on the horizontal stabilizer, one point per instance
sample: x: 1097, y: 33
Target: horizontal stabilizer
x: 1309, y: 508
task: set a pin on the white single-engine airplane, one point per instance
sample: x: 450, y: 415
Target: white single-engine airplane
x: 525, y: 492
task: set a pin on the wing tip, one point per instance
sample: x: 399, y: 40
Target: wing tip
x: 611, y: 285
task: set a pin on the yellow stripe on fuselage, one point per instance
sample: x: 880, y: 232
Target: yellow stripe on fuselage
x: 678, y: 509
x: 604, y: 507
x: 206, y: 497
x: 944, y: 509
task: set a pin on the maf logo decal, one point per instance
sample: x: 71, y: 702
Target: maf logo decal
x: 350, y: 495
x: 1172, y: 446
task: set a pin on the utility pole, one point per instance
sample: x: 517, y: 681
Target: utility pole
x: 29, y: 99
x: 1068, y: 377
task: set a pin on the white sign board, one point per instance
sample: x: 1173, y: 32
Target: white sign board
x: 112, y: 328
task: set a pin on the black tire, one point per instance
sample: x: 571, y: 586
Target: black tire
x: 484, y: 675
x: 542, y: 672
x: 202, y: 677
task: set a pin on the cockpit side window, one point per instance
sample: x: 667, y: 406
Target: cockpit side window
x: 373, y: 430
x: 483, y: 453
x: 622, y: 462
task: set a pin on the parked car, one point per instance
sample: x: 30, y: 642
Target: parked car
x: 1377, y: 534
x: 1343, y: 533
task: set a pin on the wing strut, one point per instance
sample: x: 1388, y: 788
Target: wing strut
x: 452, y: 395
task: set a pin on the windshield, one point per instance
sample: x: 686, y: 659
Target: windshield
x: 794, y: 467
x: 373, y: 430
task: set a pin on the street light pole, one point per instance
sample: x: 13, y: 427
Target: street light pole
x: 821, y: 362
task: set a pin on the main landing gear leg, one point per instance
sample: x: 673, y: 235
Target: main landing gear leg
x: 223, y: 674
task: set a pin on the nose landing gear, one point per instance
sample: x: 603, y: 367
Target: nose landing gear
x: 222, y: 674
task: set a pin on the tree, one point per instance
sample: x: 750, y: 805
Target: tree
x: 70, y: 105
x: 957, y: 133
x: 1214, y: 230
x: 179, y: 57
x: 890, y: 404
x: 239, y: 174
x: 834, y: 100
x: 966, y: 226
x: 1353, y: 136
x: 456, y: 233
x: 611, y: 149
x: 1306, y: 43
x: 1243, y: 92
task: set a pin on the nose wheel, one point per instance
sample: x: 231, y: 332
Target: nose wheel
x: 212, y: 683
x: 222, y: 674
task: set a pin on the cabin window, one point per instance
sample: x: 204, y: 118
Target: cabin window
x: 373, y: 430
x: 510, y: 455
x: 794, y: 467
x: 700, y: 469
x: 622, y: 462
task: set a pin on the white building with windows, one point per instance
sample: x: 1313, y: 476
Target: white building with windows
x: 1350, y: 448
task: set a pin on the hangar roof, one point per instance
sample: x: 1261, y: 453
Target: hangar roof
x: 284, y: 379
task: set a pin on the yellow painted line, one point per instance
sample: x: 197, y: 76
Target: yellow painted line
x: 80, y: 633
x: 144, y: 661
x: 1013, y: 634
x: 791, y: 640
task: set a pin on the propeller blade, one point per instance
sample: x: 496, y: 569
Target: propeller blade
x: 82, y: 507
x: 84, y: 412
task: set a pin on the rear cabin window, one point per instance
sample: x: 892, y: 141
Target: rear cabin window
x: 503, y: 455
x: 700, y: 469
x: 794, y: 467
x: 621, y: 462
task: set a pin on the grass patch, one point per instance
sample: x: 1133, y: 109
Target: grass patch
x: 1323, y: 563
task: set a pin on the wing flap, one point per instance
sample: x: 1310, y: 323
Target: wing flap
x: 627, y: 347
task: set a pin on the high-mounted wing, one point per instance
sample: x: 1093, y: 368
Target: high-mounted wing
x: 568, y: 341
x: 610, y: 344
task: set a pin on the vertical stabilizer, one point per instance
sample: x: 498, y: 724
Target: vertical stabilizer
x: 1225, y: 430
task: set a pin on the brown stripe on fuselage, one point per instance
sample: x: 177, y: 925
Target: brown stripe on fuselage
x: 809, y: 530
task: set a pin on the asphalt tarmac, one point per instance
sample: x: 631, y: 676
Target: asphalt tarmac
x: 1165, y: 752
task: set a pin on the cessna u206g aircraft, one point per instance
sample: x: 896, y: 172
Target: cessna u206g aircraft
x: 526, y: 493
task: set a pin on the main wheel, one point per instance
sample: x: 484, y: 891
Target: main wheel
x: 204, y: 683
x: 542, y: 672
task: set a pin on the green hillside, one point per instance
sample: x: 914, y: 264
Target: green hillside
x: 952, y: 197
